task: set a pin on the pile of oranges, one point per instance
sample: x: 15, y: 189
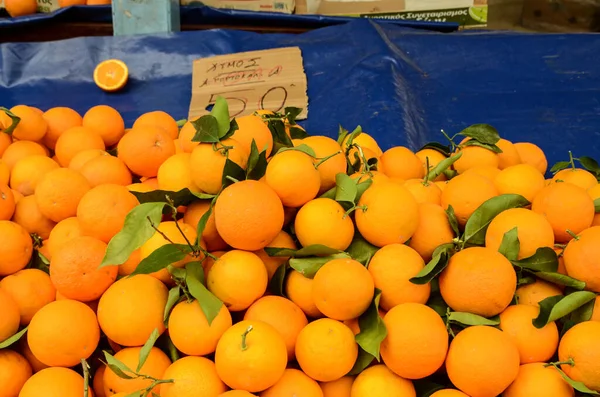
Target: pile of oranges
x: 19, y: 8
x: 243, y: 257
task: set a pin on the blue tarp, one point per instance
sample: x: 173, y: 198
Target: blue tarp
x: 402, y: 85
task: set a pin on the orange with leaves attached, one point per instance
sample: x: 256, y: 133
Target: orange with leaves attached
x: 293, y: 176
x: 192, y: 377
x: 580, y: 344
x: 251, y: 128
x: 465, y: 193
x: 400, y: 162
x: 582, y: 260
x: 329, y: 159
x: 323, y: 221
x: 145, y: 149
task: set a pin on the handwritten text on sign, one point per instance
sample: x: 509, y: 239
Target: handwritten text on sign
x: 250, y: 81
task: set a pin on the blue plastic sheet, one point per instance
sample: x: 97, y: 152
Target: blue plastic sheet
x: 202, y: 15
x: 400, y: 85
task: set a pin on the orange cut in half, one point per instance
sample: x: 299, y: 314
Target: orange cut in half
x: 111, y: 75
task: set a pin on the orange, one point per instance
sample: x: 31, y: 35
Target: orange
x: 192, y: 376
x: 465, y: 193
x: 18, y: 196
x: 594, y: 193
x: 400, y: 162
x: 155, y: 366
x: 478, y: 280
x: 581, y: 259
x: 535, y: 345
x: 28, y: 171
x: 596, y: 311
x: 28, y: 215
x: 68, y: 3
x: 283, y: 315
x: 248, y: 215
x: 537, y: 380
x: 132, y: 308
x: 7, y: 203
x: 533, y: 155
x: 30, y: 289
x: 326, y: 350
x: 433, y: 158
x: 54, y: 381
x: 523, y: 179
x: 32, y: 126
x: 5, y: 140
x: 580, y: 344
x: 19, y: 8
x: 387, y: 213
x: 532, y: 294
x: 145, y: 148
x: 102, y: 210
x: 432, y: 231
x: 15, y: 372
x: 36, y: 364
x: 299, y: 290
x: 364, y: 140
x: 16, y: 248
x: 378, y: 380
x: 376, y: 177
x: 567, y: 207
x: 186, y: 134
x: 75, y: 272
x: 208, y: 161
x: 140, y: 187
x: 237, y: 393
x: 424, y: 192
x: 211, y: 237
x: 175, y: 174
x: 482, y: 361
x: 10, y: 318
x: 159, y: 119
x: 190, y: 332
x: 63, y: 332
x: 582, y: 178
x: 59, y: 120
x: 533, y: 231
x: 343, y: 289
x: 329, y: 163
x: 82, y: 158
x: 293, y: 176
x: 251, y: 128
x: 4, y: 173
x: 272, y: 263
x: 323, y: 221
x: 392, y: 267
x: 251, y: 356
x: 357, y: 158
x: 21, y: 149
x: 238, y: 278
x: 487, y: 171
x: 63, y: 232
x: 58, y: 193
x: 76, y: 140
x: 509, y: 156
x: 338, y: 388
x: 474, y: 156
x: 448, y: 393
x: 293, y: 383
x: 111, y: 75
x: 106, y: 169
x: 98, y: 381
x: 416, y: 342
x: 126, y: 268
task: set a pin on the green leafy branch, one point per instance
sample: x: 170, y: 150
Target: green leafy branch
x: 14, y: 118
x: 482, y: 135
x: 372, y: 332
x: 579, y: 386
x: 587, y: 163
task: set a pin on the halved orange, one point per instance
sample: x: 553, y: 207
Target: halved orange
x: 111, y: 75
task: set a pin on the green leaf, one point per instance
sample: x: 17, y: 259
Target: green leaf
x: 277, y: 283
x: 426, y: 387
x: 590, y: 164
x: 137, y: 229
x: 210, y: 304
x: 442, y: 166
x: 137, y: 393
x: 556, y: 307
x: 291, y: 113
x: 357, y: 131
x: 561, y: 165
x: 443, y: 149
x: 372, y: 328
x: 363, y: 360
x: 469, y: 319
x: 304, y: 148
x: 145, y: 351
x: 15, y: 121
x: 257, y: 163
x: 510, y: 245
x: 204, y: 220
x: 597, y: 205
x: 347, y: 189
x: 220, y: 112
x: 579, y: 386
x: 525, y: 280
x: 452, y: 220
x: 161, y: 258
x: 207, y: 129
x: 561, y: 279
x: 233, y: 127
x: 544, y: 260
x: 15, y: 338
x: 232, y: 172
x: 361, y: 250
x: 487, y: 146
x: 173, y: 298
x: 117, y: 366
x: 584, y: 313
x: 311, y: 250
x: 330, y: 194
x: 437, y: 303
x: 177, y: 273
x: 436, y: 265
x: 483, y: 133
x: 181, y: 123
x: 297, y: 133
x: 342, y: 134
x: 308, y: 267
x: 182, y: 197
x: 280, y: 137
x: 479, y: 221
x: 362, y: 187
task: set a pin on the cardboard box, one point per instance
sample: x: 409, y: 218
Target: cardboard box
x: 284, y: 6
x: 562, y: 15
x: 463, y: 12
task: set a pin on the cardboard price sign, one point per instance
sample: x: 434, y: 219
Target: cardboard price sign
x: 250, y: 81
